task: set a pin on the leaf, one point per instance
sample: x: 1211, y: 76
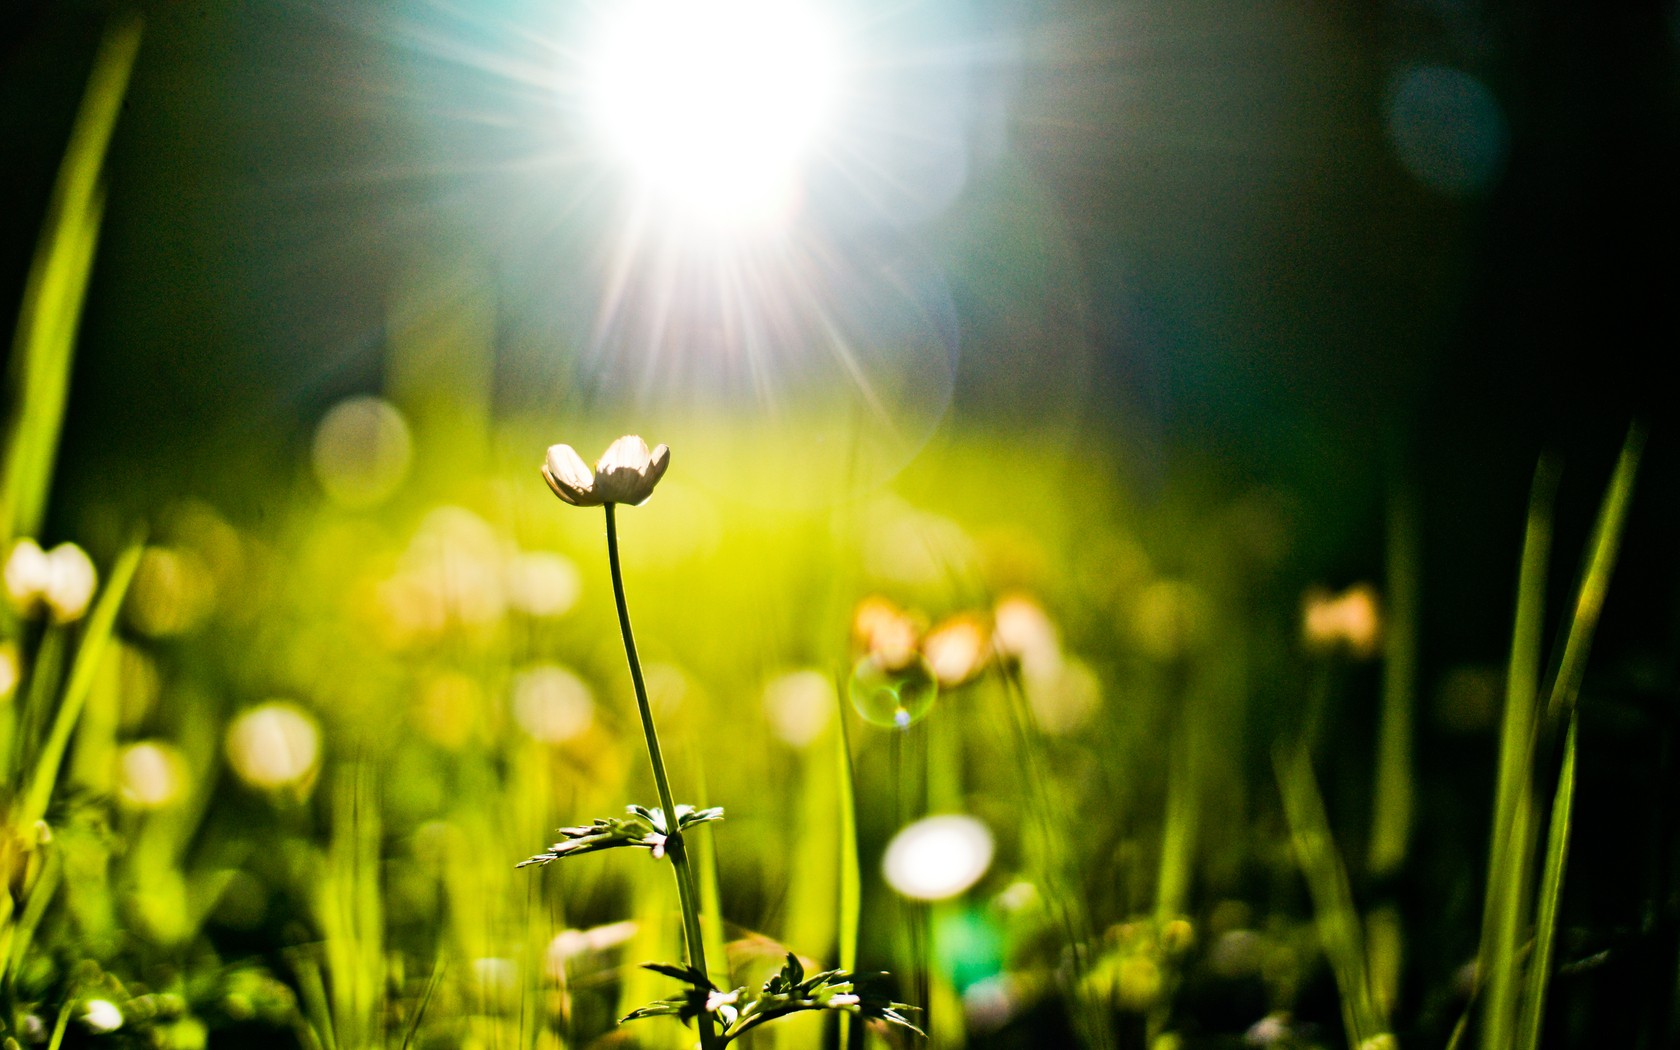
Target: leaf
x: 686, y: 974
x: 644, y: 828
x: 791, y: 992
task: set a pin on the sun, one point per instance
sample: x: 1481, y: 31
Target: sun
x: 716, y: 108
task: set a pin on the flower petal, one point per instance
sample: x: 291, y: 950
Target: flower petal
x: 627, y: 453
x: 569, y: 477
x: 628, y: 472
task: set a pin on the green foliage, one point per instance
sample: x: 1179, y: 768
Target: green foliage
x: 644, y: 828
x: 788, y: 991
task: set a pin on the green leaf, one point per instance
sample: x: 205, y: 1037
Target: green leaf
x: 686, y: 974
x: 791, y: 992
x: 644, y: 828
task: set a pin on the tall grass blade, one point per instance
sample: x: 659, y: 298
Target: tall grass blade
x: 1334, y: 914
x: 1551, y: 890
x: 1391, y: 815
x: 44, y: 342
x: 850, y: 903
x: 432, y: 983
x: 41, y: 892
x: 62, y: 1024
x: 1511, y: 846
x: 704, y: 848
x: 1595, y: 581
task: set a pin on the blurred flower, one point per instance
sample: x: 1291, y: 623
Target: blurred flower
x: 569, y: 944
x: 101, y: 1016
x: 936, y: 858
x: 669, y: 687
x: 552, y: 704
x: 989, y: 1004
x: 1065, y: 697
x: 1350, y: 621
x: 151, y: 775
x: 1177, y: 936
x: 885, y: 632
x: 1270, y: 1030
x: 451, y: 575
x: 799, y: 705
x: 1236, y: 953
x: 1022, y: 632
x: 276, y: 744
x: 173, y: 591
x: 27, y: 575
x: 541, y: 583
x: 625, y: 473
x: 956, y: 650
x: 61, y: 581
x: 362, y: 451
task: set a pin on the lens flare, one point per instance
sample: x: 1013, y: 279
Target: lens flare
x: 892, y: 698
x: 714, y: 105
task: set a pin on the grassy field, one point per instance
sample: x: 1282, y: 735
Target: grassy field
x: 1069, y: 756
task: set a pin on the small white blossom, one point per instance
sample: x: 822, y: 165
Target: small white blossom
x: 101, y: 1016
x: 723, y: 1004
x: 625, y: 473
x: 61, y: 581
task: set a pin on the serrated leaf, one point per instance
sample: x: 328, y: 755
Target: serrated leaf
x: 643, y: 828
x: 686, y: 974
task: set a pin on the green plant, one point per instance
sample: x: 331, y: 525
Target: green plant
x: 627, y: 473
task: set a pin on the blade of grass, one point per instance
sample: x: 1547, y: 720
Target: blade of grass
x: 1511, y: 843
x: 413, y: 1028
x: 1334, y: 914
x: 1595, y: 581
x: 1551, y: 891
x: 850, y: 903
x: 1055, y: 871
x: 1391, y: 816
x: 40, y: 894
x: 44, y: 342
x: 62, y: 1023
x: 711, y: 895
x: 316, y: 1015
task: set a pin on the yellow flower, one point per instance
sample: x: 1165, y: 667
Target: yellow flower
x: 626, y: 473
x: 956, y: 650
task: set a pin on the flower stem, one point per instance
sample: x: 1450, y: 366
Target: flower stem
x: 675, y: 848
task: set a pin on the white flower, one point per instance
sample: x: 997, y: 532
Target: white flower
x: 625, y: 473
x: 101, y: 1016
x: 61, y: 581
x: 723, y: 1004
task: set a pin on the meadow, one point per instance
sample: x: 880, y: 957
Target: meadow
x: 999, y: 745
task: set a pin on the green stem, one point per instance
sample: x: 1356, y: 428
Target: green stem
x: 675, y: 848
